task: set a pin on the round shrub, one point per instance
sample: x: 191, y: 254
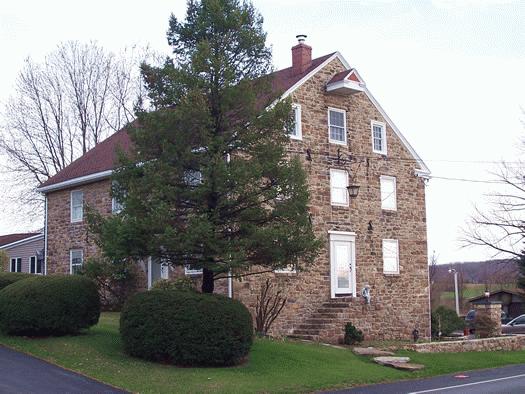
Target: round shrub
x: 49, y: 305
x: 186, y: 328
x: 7, y: 278
x: 182, y: 284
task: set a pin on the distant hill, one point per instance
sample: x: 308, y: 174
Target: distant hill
x: 502, y: 271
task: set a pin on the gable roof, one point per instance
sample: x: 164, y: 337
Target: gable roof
x: 99, y: 162
x: 516, y: 292
x: 5, y: 240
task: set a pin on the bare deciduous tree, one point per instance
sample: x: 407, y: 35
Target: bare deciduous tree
x: 269, y: 305
x: 501, y: 227
x: 62, y: 107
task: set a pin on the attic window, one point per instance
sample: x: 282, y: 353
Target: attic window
x: 378, y: 137
x: 337, y: 126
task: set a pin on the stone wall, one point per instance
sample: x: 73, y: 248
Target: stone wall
x: 488, y: 319
x: 63, y: 235
x: 505, y: 343
x: 400, y: 303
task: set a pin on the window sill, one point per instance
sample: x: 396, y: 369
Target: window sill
x: 296, y: 138
x: 343, y: 143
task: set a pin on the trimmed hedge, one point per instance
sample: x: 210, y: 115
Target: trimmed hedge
x: 7, y: 278
x: 49, y: 305
x: 186, y: 328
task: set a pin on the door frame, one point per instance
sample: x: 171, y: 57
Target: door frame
x: 341, y: 236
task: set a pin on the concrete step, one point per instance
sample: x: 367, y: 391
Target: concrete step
x: 331, y: 310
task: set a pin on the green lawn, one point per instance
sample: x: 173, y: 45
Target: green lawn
x: 273, y: 366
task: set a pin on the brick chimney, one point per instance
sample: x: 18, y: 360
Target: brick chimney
x: 301, y: 56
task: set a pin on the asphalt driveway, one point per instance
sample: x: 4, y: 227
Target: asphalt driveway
x: 505, y: 380
x: 20, y: 373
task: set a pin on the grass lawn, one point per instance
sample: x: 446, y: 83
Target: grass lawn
x: 273, y: 366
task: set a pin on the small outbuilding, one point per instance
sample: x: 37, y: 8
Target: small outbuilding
x: 512, y: 301
x: 25, y: 252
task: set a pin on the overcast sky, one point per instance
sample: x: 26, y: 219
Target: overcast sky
x: 451, y: 75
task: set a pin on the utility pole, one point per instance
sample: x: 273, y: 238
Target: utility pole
x: 453, y: 271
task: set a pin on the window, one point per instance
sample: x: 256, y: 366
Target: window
x: 35, y: 265
x: 289, y: 269
x: 116, y: 205
x: 193, y: 177
x: 338, y: 187
x: 390, y: 256
x: 388, y: 193
x: 76, y: 258
x: 189, y: 270
x: 77, y: 206
x: 295, y: 130
x: 337, y: 126
x: 378, y: 137
x: 16, y: 264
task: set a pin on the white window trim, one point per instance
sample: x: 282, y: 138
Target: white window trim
x: 338, y: 204
x: 345, y: 237
x: 344, y: 120
x: 383, y: 136
x: 191, y: 272
x: 36, y: 265
x: 71, y: 259
x: 71, y: 206
x: 396, y: 242
x: 388, y: 178
x: 116, y: 207
x: 11, y: 264
x: 298, y: 125
x: 290, y: 269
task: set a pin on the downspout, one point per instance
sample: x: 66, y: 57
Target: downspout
x: 45, y: 234
x: 230, y: 284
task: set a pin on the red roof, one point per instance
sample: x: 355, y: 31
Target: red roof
x: 103, y: 157
x: 10, y: 238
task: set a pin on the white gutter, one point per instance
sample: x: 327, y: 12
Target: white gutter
x: 230, y: 284
x: 22, y: 241
x: 76, y: 181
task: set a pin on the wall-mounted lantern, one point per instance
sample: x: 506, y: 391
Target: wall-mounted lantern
x: 353, y: 190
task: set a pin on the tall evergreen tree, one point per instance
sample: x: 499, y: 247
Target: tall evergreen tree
x: 210, y: 182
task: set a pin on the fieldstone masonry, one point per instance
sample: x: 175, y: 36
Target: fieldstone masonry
x: 488, y: 319
x: 399, y: 303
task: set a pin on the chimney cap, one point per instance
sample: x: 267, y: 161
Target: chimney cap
x: 301, y: 38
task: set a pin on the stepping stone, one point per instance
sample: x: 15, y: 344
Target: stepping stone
x: 371, y: 351
x: 390, y: 360
x: 407, y: 366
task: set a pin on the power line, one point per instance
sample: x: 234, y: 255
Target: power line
x: 467, y: 180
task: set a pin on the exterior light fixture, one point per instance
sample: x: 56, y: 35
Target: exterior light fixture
x: 353, y: 190
x: 487, y: 294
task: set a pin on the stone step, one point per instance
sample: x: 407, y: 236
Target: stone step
x: 305, y: 337
x: 335, y: 305
x: 331, y: 310
x: 306, y: 332
x: 308, y: 326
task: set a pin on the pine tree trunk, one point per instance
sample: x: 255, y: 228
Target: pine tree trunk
x: 207, y: 281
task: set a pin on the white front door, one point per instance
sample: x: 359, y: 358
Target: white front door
x: 342, y: 263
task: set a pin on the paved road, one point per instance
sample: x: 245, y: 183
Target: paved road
x: 20, y: 373
x: 506, y: 380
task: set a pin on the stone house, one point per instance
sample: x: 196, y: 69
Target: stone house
x: 25, y: 252
x: 375, y: 240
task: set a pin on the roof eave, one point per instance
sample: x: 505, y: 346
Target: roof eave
x: 22, y: 241
x: 97, y: 176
